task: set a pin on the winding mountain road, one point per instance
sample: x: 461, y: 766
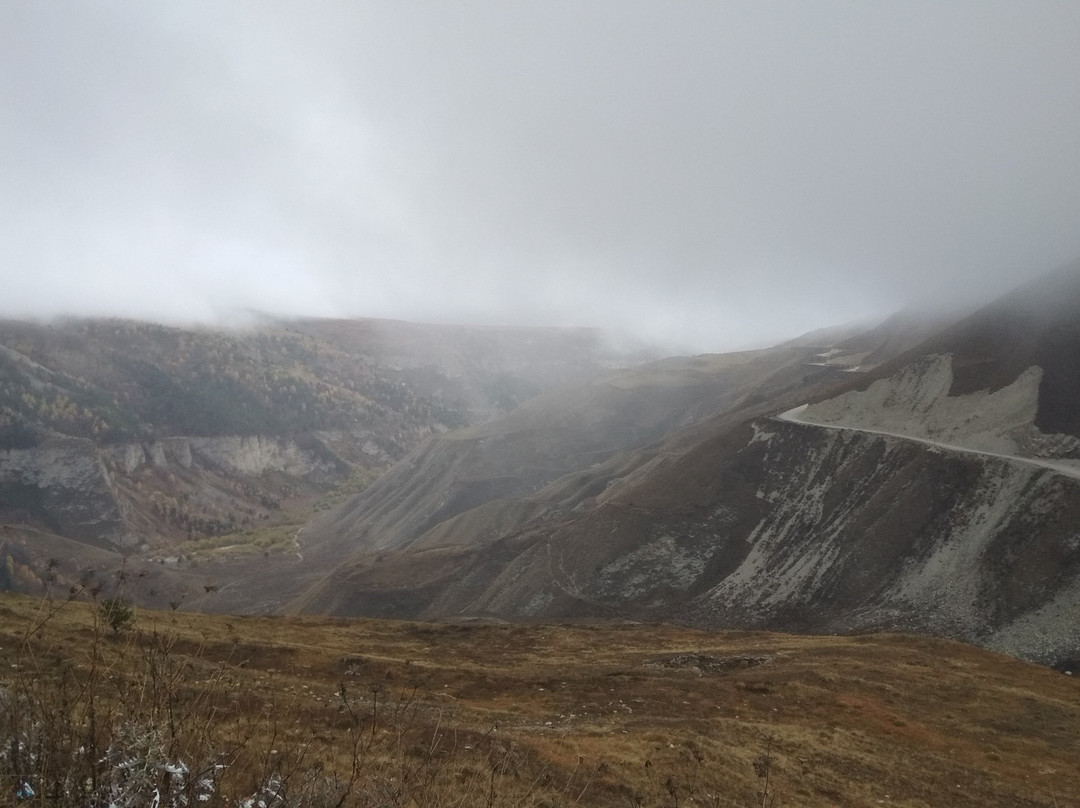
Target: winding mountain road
x: 1064, y: 468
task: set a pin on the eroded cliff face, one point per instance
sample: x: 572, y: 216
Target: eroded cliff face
x: 849, y: 530
x: 65, y: 482
x: 839, y: 532
x: 798, y: 527
x: 916, y: 402
x: 871, y: 532
x: 194, y: 434
x: 159, y: 453
x: 111, y: 496
x: 254, y: 455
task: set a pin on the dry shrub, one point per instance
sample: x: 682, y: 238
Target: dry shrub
x: 141, y: 719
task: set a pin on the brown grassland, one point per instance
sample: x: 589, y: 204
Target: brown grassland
x: 185, y: 709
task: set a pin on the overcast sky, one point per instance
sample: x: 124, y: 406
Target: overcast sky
x: 718, y: 173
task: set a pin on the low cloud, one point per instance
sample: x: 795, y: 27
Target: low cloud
x: 716, y: 175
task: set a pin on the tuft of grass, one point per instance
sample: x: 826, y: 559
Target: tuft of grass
x: 117, y: 614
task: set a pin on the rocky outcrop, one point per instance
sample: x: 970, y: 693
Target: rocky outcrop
x: 253, y: 455
x: 65, y: 483
x: 158, y: 453
x: 863, y: 532
x: 72, y: 487
x: 245, y: 455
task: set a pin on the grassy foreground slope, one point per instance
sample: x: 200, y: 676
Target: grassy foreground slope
x: 223, y: 710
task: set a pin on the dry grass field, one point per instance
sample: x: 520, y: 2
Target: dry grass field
x: 182, y: 709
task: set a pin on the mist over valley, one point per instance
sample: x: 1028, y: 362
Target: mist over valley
x: 539, y: 404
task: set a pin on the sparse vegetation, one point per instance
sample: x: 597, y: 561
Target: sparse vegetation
x: 275, y: 538
x: 196, y: 382
x: 358, y: 480
x: 185, y: 709
x: 117, y: 614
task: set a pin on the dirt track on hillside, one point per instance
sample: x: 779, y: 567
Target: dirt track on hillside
x: 1058, y: 467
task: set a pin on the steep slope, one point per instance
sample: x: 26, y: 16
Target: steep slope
x: 554, y: 434
x: 745, y: 519
x: 555, y: 459
x: 785, y: 526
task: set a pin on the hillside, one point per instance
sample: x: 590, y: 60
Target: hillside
x: 174, y: 443
x: 320, y: 712
x: 741, y: 519
x: 544, y: 462
x: 556, y: 433
x: 918, y: 490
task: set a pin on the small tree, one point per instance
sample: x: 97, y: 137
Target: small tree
x: 117, y: 614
